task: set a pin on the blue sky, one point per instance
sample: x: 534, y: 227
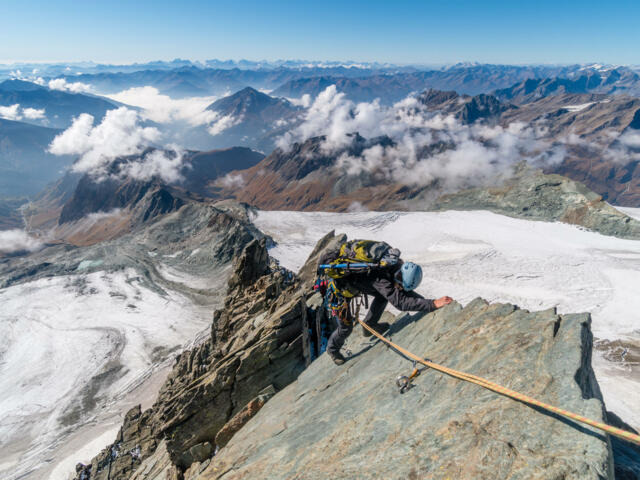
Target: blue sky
x: 424, y: 32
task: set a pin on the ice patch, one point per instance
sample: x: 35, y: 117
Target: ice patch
x: 578, y: 108
x: 85, y: 264
x: 632, y: 212
x: 183, y: 278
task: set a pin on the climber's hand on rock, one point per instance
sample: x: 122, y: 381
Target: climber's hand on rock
x: 442, y: 301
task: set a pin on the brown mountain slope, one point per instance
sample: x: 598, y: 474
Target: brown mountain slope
x: 587, y: 129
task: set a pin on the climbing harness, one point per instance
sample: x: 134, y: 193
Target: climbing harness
x: 618, y: 432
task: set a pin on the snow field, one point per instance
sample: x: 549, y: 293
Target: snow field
x: 68, y: 344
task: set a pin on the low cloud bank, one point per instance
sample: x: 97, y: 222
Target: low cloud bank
x: 18, y: 240
x: 232, y: 180
x: 223, y: 123
x: 65, y: 86
x: 164, y: 109
x: 120, y: 134
x: 15, y: 112
x: 427, y: 145
x: 55, y: 84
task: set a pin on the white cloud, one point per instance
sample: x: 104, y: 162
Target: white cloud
x: 11, y: 112
x: 630, y: 138
x: 15, y: 112
x: 164, y: 109
x: 73, y: 87
x: 120, y: 134
x: 18, y: 240
x: 304, y: 101
x: 33, y: 113
x: 231, y: 180
x: 624, y: 147
x: 427, y: 146
x: 165, y: 164
x: 223, y: 123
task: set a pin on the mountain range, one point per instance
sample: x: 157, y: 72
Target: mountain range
x: 59, y: 107
x: 306, y: 176
x: 256, y: 119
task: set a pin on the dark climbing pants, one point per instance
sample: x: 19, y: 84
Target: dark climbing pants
x: 340, y: 334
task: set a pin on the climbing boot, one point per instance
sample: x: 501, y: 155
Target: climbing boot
x: 337, y: 358
x: 378, y: 327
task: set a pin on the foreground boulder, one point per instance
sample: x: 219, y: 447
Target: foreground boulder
x: 351, y: 422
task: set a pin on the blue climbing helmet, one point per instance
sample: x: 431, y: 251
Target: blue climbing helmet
x: 411, y: 275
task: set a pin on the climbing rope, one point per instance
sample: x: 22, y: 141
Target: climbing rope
x: 631, y: 437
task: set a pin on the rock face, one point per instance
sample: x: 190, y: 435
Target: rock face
x: 465, y: 108
x: 91, y: 196
x: 352, y: 422
x: 535, y: 196
x: 255, y: 349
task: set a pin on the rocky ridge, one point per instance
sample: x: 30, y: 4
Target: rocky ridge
x: 535, y: 196
x: 254, y: 350
x: 242, y: 404
x: 352, y: 422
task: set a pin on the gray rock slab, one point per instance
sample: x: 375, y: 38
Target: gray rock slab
x: 351, y: 422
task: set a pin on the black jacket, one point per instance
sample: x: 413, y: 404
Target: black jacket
x: 381, y: 285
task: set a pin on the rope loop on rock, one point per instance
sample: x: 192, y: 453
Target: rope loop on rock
x: 467, y: 377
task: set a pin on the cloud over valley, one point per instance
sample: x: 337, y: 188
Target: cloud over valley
x: 103, y: 148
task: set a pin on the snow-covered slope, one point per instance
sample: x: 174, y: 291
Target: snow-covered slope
x: 86, y: 333
x: 536, y: 265
x: 70, y: 343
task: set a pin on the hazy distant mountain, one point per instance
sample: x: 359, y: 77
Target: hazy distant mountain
x: 256, y: 119
x: 25, y: 166
x: 60, y: 107
x: 389, y: 88
x: 50, y: 70
x: 292, y: 79
x: 194, y: 81
x: 616, y: 81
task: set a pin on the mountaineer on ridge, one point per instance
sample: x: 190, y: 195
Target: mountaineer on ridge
x: 366, y: 267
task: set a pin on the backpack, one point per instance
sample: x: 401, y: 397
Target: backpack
x: 361, y: 255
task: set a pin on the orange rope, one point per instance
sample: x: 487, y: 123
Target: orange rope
x: 631, y: 437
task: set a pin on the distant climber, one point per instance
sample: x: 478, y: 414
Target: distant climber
x: 367, y: 267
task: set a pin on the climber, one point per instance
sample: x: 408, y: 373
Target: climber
x: 366, y: 267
